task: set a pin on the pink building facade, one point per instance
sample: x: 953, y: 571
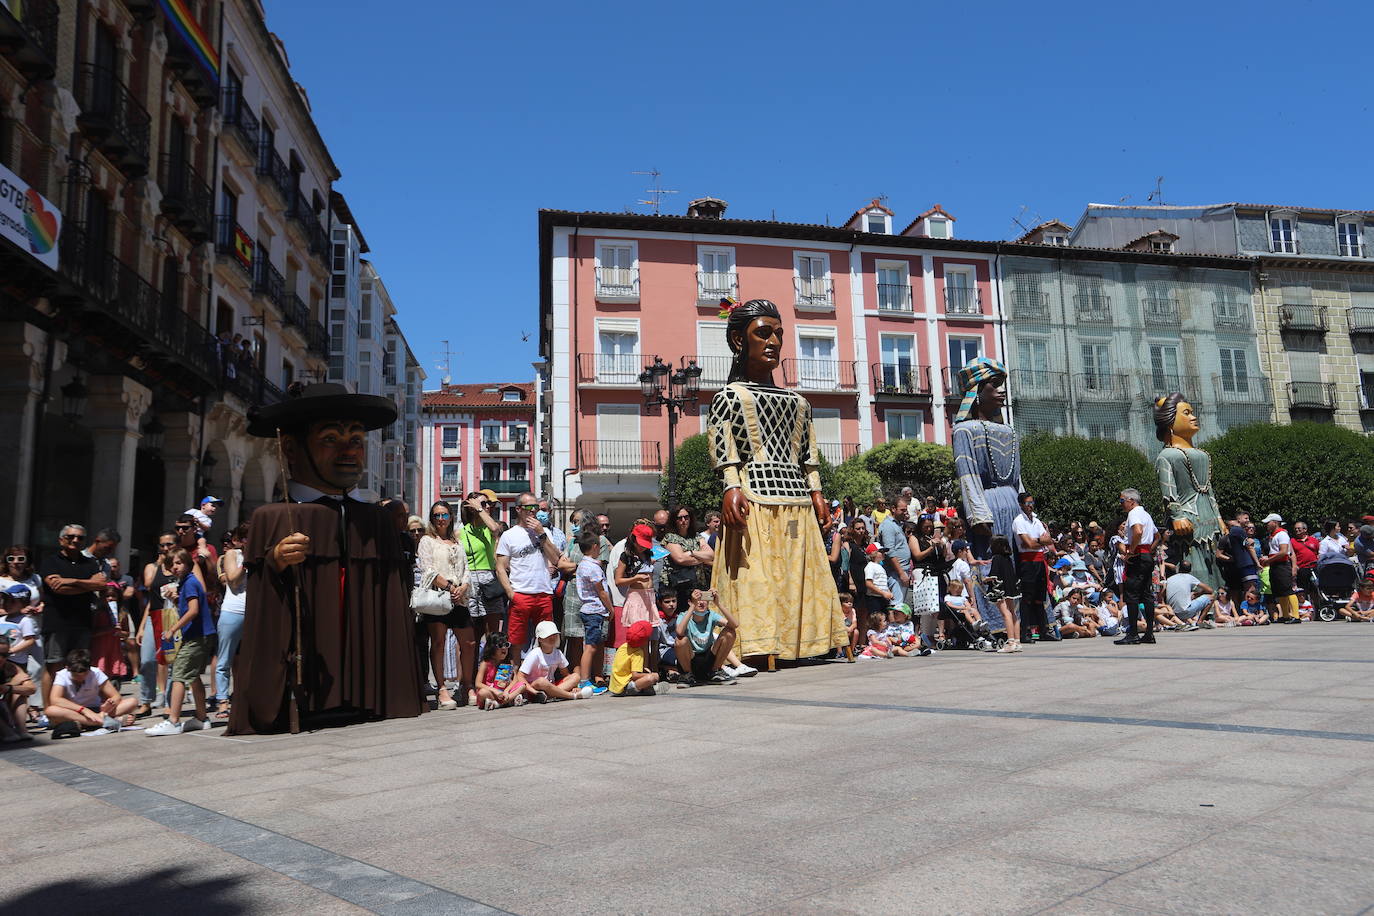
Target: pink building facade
x: 475, y: 437
x: 875, y: 321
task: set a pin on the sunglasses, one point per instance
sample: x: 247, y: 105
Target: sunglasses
x: 165, y: 546
x: 181, y: 527
x: 16, y: 559
x: 73, y: 537
x: 526, y: 506
x: 439, y: 515
x: 417, y: 531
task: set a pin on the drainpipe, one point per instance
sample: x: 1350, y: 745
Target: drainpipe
x: 574, y: 410
x: 1002, y: 324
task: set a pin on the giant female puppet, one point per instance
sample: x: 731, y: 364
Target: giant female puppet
x: 771, y: 570
x: 1185, y: 480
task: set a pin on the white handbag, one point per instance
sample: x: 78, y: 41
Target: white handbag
x: 924, y: 596
x: 428, y: 601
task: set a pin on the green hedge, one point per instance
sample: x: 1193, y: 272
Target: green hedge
x: 924, y: 466
x: 1076, y: 479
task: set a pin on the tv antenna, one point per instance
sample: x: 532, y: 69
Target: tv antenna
x: 1157, y: 195
x: 656, y: 192
x: 446, y: 366
x: 1019, y: 219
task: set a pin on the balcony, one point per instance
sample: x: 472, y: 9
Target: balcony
x: 617, y: 284
x: 1160, y: 310
x: 820, y: 374
x: 715, y: 370
x: 296, y: 313
x: 610, y: 368
x: 963, y: 300
x: 1228, y: 313
x: 1102, y: 387
x: 28, y: 37
x: 517, y: 446
x: 1312, y: 395
x: 816, y: 293
x: 1031, y: 304
x: 305, y: 217
x: 187, y: 61
x: 619, y: 456
x: 1035, y: 385
x: 1360, y: 319
x: 506, y: 486
x: 1241, y: 390
x: 242, y: 124
x: 269, y: 283
x: 234, y: 242
x: 128, y: 316
x: 249, y: 384
x: 901, y: 380
x: 837, y: 452
x: 113, y: 119
x: 1093, y: 307
x: 713, y: 286
x: 186, y: 199
x: 894, y: 297
x: 1162, y: 383
x: 271, y: 167
x: 1303, y: 318
x: 1367, y: 396
x: 317, y: 339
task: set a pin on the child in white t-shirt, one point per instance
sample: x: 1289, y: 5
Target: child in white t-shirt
x: 958, y: 604
x: 879, y: 646
x: 595, y: 611
x: 901, y: 632
x: 545, y: 671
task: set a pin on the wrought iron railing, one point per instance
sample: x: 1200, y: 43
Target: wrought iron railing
x: 617, y: 284
x: 240, y: 117
x: 1240, y: 388
x: 715, y: 370
x: 1102, y: 387
x: 186, y: 198
x: 1093, y: 307
x: 712, y: 286
x: 272, y: 167
x: 248, y: 382
x: 894, y: 297
x: 317, y: 338
x: 1029, y: 303
x: 963, y: 300
x: 1162, y: 383
x: 609, y: 368
x: 113, y: 117
x: 625, y: 455
x: 499, y: 446
x: 295, y: 310
x: 1160, y: 309
x: 1312, y: 395
x: 838, y: 452
x: 1361, y: 319
x: 36, y: 21
x: 901, y: 380
x: 1036, y: 385
x: 820, y: 374
x: 1230, y: 313
x: 268, y: 281
x: 814, y: 292
x: 1302, y: 317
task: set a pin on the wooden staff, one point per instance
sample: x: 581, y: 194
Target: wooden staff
x: 298, y: 687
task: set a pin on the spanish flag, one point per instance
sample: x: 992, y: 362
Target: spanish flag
x: 243, y: 247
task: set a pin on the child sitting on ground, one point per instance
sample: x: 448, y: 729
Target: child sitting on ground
x: 595, y: 611
x: 878, y: 645
x: 663, y: 630
x: 1360, y: 607
x: 1252, y: 611
x: 701, y: 651
x: 851, y: 623
x: 901, y: 632
x: 545, y: 672
x: 495, y: 678
x: 629, y: 676
x: 83, y: 698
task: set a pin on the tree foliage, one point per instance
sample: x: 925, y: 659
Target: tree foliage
x: 1076, y: 479
x: 698, y: 485
x: 924, y: 466
x: 853, y: 481
x: 1308, y: 471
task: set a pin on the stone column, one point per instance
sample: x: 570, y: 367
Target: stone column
x: 180, y: 463
x: 114, y: 415
x: 22, y: 349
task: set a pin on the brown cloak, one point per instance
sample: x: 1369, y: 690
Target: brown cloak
x: 359, y: 655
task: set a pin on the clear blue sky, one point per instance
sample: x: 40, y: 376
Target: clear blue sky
x: 454, y: 122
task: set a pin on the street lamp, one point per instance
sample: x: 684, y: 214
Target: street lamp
x: 74, y: 399
x: 682, y: 388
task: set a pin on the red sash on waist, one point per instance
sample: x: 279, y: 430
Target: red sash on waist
x: 1031, y: 556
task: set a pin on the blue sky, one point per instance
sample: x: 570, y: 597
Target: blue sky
x: 454, y: 122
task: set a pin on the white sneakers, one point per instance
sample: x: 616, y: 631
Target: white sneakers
x: 584, y: 693
x: 168, y: 727
x: 740, y: 671
x: 1010, y: 646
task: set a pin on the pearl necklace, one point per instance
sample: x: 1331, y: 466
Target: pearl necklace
x: 992, y: 461
x: 1192, y: 477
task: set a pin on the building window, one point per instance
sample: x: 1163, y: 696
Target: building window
x: 491, y: 470
x: 1350, y: 239
x: 516, y: 470
x: 510, y: 396
x: 617, y: 272
x: 961, y: 293
x: 716, y: 277
x: 1164, y: 374
x: 1235, y: 372
x: 894, y: 286
x: 816, y: 354
x: 877, y: 223
x: 1283, y: 237
x: 450, y: 440
x: 617, y: 352
x: 899, y: 364
x: 938, y: 228
x: 450, y: 478
x: 1033, y: 361
x: 1057, y: 240
x: 812, y: 281
x: 961, y: 350
x: 1161, y: 245
x: 903, y: 424
x: 1097, y: 365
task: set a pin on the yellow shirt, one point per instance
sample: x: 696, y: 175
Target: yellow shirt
x: 629, y: 661
x: 879, y: 515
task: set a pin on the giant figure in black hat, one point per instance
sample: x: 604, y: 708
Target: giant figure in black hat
x: 328, y: 636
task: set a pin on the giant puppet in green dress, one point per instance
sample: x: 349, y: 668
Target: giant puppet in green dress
x: 1185, y: 480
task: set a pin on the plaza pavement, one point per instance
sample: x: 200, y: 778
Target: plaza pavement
x: 1217, y: 772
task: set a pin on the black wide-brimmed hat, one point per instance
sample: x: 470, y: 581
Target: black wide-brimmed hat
x: 305, y: 404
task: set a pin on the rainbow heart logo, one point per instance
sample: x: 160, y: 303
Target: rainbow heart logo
x: 41, y: 223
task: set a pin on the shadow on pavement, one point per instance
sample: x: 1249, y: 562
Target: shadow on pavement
x: 167, y: 890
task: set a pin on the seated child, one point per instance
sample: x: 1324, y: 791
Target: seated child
x: 1360, y: 607
x: 1108, y: 615
x: 701, y: 651
x: 851, y: 623
x: 901, y: 632
x: 545, y: 672
x: 1252, y: 609
x: 1224, y: 609
x: 879, y: 646
x: 83, y: 698
x: 496, y: 685
x: 959, y: 605
x: 1075, y: 617
x: 1165, y: 619
x: 667, y: 624
x: 629, y: 676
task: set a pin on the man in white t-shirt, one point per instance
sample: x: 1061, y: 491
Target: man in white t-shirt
x: 1188, y: 596
x: 1279, y: 559
x: 524, y: 555
x: 1140, y: 568
x: 1032, y: 541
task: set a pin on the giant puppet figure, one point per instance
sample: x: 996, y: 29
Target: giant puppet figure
x: 328, y: 639
x: 987, y: 461
x: 1185, y: 480
x: 771, y: 569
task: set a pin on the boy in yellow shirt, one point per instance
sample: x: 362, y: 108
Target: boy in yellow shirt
x: 629, y: 676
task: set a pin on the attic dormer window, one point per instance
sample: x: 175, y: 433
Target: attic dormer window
x: 1060, y: 240
x: 1162, y: 244
x: 1283, y: 232
x: 937, y: 228
x: 877, y: 222
x: 510, y: 396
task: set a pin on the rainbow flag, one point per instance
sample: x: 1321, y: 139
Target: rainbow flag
x: 180, y: 21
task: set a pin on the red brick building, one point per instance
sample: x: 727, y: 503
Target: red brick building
x: 476, y: 437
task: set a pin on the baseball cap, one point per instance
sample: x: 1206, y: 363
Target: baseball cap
x: 1273, y: 517
x: 489, y: 494
x: 209, y: 500
x: 1063, y: 563
x: 545, y: 629
x: 638, y: 633
x: 18, y: 591
x: 834, y: 504
x: 872, y: 549
x: 643, y: 535
x: 959, y: 545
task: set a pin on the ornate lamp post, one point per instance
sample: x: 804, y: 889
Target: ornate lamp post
x: 682, y: 388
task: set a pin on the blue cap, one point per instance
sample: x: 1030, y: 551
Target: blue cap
x: 959, y: 546
x: 1063, y: 563
x: 19, y: 591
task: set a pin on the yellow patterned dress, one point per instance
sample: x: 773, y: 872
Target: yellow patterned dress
x: 774, y: 576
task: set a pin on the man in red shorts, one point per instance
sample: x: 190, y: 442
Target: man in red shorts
x: 527, y: 562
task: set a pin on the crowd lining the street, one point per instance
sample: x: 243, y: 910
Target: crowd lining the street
x: 509, y: 615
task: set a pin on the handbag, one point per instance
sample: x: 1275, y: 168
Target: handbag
x: 427, y: 601
x: 924, y: 596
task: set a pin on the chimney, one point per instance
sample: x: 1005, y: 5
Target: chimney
x: 706, y: 208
